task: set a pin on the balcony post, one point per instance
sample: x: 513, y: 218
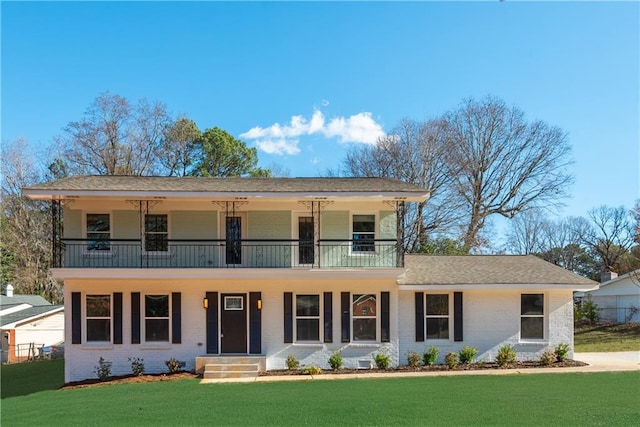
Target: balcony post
x: 56, y: 234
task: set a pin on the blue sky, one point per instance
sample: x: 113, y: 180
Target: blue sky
x: 304, y: 81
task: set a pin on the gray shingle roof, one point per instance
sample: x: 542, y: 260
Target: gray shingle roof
x: 487, y: 270
x: 34, y: 300
x: 28, y: 313
x: 232, y: 185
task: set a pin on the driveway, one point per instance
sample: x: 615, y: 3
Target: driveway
x: 616, y: 361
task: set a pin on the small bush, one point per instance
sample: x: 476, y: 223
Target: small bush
x: 413, y: 359
x: 590, y: 310
x: 335, y: 360
x: 431, y: 356
x: 382, y: 361
x: 561, y: 351
x: 103, y: 369
x: 137, y: 366
x: 506, y: 356
x: 467, y: 354
x: 173, y: 365
x: 292, y: 363
x: 548, y: 358
x: 451, y: 359
x: 312, y: 370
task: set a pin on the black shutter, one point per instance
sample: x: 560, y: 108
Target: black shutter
x: 457, y: 316
x: 176, y: 318
x: 76, y: 318
x: 212, y: 322
x: 117, y: 317
x: 385, y: 332
x: 345, y: 335
x: 288, y: 317
x: 255, y: 323
x: 135, y: 317
x: 419, y: 316
x: 328, y: 317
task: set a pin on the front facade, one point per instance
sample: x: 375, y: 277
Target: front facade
x: 185, y: 268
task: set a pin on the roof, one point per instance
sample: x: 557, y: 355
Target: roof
x: 110, y: 185
x: 34, y: 300
x: 488, y: 271
x: 29, y: 313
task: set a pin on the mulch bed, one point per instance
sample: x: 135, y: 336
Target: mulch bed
x: 133, y: 379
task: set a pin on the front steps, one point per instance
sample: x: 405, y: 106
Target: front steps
x: 223, y: 367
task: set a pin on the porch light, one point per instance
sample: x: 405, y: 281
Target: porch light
x: 205, y: 303
x: 259, y: 304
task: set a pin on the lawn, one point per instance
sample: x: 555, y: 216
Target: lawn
x: 613, y: 337
x: 519, y: 399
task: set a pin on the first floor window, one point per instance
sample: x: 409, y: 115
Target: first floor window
x: 437, y: 314
x: 532, y: 316
x: 98, y: 232
x: 308, y: 317
x: 156, y: 317
x: 364, y: 309
x: 98, y: 313
x: 364, y: 233
x: 156, y: 233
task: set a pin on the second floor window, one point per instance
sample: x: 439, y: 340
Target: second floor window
x: 98, y: 232
x: 364, y: 233
x: 156, y: 233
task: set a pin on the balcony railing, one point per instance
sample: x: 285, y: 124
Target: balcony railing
x: 246, y: 253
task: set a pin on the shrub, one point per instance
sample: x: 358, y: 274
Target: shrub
x: 292, y: 362
x: 335, y: 360
x: 590, y: 310
x: 561, y: 351
x: 467, y: 354
x: 506, y: 355
x: 548, y: 358
x: 173, y: 365
x: 137, y: 366
x: 431, y: 356
x: 451, y: 359
x: 103, y: 369
x: 413, y: 359
x: 382, y: 361
x: 312, y: 370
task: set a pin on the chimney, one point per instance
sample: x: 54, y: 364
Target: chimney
x: 9, y: 291
x: 605, y: 276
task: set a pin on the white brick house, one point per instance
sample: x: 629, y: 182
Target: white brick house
x: 201, y: 268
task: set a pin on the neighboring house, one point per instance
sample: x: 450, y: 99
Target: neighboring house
x: 618, y: 298
x: 28, y: 323
x: 199, y: 268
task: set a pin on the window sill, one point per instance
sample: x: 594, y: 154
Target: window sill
x: 533, y: 342
x: 308, y: 344
x: 360, y: 344
x: 159, y: 346
x: 97, y: 346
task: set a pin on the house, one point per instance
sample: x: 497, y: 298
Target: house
x: 618, y: 298
x: 27, y: 324
x: 203, y: 269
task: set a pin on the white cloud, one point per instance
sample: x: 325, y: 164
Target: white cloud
x: 278, y: 139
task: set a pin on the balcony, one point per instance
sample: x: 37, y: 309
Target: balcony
x: 248, y: 253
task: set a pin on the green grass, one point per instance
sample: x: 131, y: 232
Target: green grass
x: 25, y: 378
x: 525, y: 399
x: 602, y: 338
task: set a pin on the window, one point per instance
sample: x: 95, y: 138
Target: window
x: 364, y: 233
x: 364, y: 309
x: 307, y: 317
x: 156, y: 233
x: 532, y: 316
x: 98, y: 309
x: 98, y: 232
x: 437, y: 314
x: 156, y: 317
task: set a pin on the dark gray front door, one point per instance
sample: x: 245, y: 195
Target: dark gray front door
x: 233, y: 320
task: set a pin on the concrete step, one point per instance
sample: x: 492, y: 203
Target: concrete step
x: 217, y: 367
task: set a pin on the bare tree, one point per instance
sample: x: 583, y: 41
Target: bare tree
x: 526, y: 234
x: 502, y: 164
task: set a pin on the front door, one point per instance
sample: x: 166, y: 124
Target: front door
x: 233, y: 323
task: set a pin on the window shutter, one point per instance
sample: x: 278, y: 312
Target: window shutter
x: 176, y: 317
x: 212, y: 322
x: 385, y: 332
x: 117, y: 317
x: 288, y: 317
x: 76, y: 318
x: 419, y: 316
x: 135, y: 317
x: 345, y: 335
x: 457, y: 316
x: 255, y: 323
x: 328, y: 317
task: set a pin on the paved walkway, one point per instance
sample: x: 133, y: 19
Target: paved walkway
x: 597, y: 362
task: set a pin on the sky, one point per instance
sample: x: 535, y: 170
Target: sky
x: 303, y: 82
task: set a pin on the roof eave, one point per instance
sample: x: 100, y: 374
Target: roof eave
x: 496, y: 286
